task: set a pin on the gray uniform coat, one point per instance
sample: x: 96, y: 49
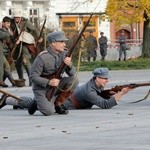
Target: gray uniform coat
x: 47, y: 63
x: 3, y: 36
x: 88, y: 95
x: 122, y: 50
x: 91, y: 45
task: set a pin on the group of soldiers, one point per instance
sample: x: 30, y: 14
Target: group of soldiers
x: 89, y: 46
x: 53, y: 91
x: 17, y: 46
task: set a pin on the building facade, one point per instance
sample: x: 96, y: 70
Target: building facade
x: 70, y: 15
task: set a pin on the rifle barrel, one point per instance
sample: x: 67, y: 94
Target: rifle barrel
x: 132, y: 85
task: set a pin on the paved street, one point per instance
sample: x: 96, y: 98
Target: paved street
x: 124, y: 127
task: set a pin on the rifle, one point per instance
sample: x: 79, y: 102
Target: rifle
x: 43, y: 26
x: 15, y: 44
x: 10, y: 95
x: 107, y: 93
x: 34, y: 48
x: 51, y: 89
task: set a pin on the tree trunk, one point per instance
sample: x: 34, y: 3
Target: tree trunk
x: 146, y: 38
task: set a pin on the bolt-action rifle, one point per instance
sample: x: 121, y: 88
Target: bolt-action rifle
x: 107, y: 93
x: 10, y: 95
x: 51, y: 90
x: 34, y: 48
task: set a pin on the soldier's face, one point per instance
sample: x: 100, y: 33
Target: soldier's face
x: 6, y: 25
x: 101, y: 82
x: 59, y: 46
x: 17, y: 19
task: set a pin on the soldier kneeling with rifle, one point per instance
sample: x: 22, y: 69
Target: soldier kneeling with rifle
x: 50, y: 90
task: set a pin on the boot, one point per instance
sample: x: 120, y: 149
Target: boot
x: 32, y: 107
x: 13, y: 82
x: 60, y: 100
x: 17, y: 107
x: 61, y: 110
x: 3, y: 100
x: 2, y: 83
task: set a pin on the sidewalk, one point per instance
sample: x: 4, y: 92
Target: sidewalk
x: 124, y: 127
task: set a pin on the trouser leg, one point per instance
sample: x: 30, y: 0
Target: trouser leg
x: 24, y: 102
x: 120, y: 53
x: 94, y: 58
x: 26, y: 60
x: 125, y: 54
x: 27, y: 66
x: 18, y: 65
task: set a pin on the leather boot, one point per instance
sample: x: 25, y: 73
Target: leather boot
x: 17, y: 107
x: 32, y: 107
x: 61, y: 110
x: 13, y: 82
x: 2, y: 83
x: 3, y: 100
x: 62, y: 97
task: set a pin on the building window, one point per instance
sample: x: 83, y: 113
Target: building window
x: 10, y: 12
x: 34, y: 16
x: 68, y: 24
x: 91, y: 23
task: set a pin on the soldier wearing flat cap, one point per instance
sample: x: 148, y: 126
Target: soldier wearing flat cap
x: 89, y: 94
x: 47, y: 63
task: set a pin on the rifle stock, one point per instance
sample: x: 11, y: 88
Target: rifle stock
x: 117, y: 88
x: 51, y: 90
x: 10, y: 95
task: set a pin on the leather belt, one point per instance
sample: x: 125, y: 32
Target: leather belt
x: 74, y: 101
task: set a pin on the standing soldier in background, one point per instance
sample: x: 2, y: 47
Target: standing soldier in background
x: 24, y: 50
x: 103, y: 45
x: 43, y: 71
x: 122, y: 42
x: 6, y: 50
x: 4, y: 35
x: 91, y: 45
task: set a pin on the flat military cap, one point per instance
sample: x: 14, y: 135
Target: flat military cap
x: 101, y: 72
x: 56, y: 37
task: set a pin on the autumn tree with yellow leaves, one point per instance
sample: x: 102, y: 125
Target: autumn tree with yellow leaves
x: 129, y: 12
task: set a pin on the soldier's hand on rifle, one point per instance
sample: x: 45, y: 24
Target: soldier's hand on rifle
x: 40, y: 40
x: 54, y: 82
x: 125, y: 90
x: 68, y: 61
x: 17, y: 42
x: 121, y: 93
